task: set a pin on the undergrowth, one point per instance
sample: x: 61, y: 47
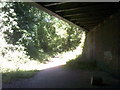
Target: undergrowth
x: 82, y: 64
x: 16, y: 75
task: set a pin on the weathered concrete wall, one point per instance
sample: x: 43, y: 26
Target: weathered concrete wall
x: 103, y: 44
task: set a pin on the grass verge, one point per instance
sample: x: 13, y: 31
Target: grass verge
x: 16, y: 75
x: 83, y: 65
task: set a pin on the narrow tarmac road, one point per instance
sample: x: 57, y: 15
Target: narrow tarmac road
x: 56, y: 77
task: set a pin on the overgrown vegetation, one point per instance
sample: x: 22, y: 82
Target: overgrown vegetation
x: 16, y: 75
x: 29, y: 36
x: 37, y: 31
x: 78, y: 63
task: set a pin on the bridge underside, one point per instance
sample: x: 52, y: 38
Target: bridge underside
x: 101, y: 21
x: 103, y: 44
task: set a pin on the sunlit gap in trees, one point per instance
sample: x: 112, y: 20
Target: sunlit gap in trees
x: 58, y: 60
x: 28, y: 36
x: 61, y: 59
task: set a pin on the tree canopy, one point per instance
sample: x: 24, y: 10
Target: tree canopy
x: 37, y: 31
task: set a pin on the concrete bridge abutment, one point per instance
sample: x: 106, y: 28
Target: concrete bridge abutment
x: 103, y: 44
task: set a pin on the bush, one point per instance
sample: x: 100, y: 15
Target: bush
x: 80, y: 64
x: 15, y: 75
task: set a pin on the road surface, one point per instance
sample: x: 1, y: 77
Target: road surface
x: 58, y: 77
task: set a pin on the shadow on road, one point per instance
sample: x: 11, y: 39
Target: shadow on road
x: 59, y: 77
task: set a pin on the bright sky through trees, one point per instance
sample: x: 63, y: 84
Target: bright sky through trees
x: 30, y: 36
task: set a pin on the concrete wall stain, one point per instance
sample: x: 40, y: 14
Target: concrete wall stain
x: 103, y: 44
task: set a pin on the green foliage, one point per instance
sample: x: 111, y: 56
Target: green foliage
x: 11, y: 56
x: 83, y: 65
x: 78, y: 63
x: 42, y: 35
x: 11, y: 76
x: 27, y: 34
